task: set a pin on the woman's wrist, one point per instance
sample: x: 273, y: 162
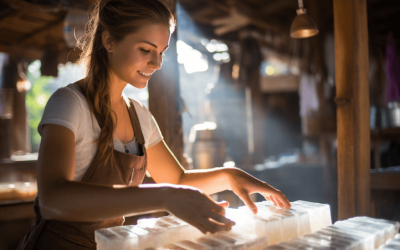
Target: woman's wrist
x: 229, y: 173
x: 156, y: 195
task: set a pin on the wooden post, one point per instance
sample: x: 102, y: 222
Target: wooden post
x: 352, y: 99
x: 164, y: 96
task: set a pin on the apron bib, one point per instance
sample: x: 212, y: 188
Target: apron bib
x: 125, y: 169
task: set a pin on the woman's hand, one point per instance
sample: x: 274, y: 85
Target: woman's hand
x: 198, y: 209
x: 243, y: 184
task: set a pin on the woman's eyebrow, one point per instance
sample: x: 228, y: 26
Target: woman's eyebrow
x: 152, y: 44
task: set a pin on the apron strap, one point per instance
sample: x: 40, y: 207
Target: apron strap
x: 136, y: 123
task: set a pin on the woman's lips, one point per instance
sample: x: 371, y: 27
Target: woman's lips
x: 144, y: 73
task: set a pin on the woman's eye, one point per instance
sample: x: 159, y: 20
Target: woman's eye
x: 145, y: 51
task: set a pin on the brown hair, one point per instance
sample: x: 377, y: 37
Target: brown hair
x: 119, y: 18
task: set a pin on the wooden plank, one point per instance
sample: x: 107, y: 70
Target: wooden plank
x: 164, y: 96
x: 9, y: 18
x: 269, y: 8
x: 352, y: 99
x: 50, y: 30
x: 31, y: 53
x: 385, y: 181
x: 27, y: 6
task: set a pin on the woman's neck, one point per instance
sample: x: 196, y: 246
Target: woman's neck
x: 116, y: 87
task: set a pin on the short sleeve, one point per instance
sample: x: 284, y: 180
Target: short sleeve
x: 155, y: 135
x: 63, y: 108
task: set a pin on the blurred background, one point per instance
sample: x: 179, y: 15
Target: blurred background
x: 242, y: 92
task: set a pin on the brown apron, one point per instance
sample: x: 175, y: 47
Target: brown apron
x: 126, y: 169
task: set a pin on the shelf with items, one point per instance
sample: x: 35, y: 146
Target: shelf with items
x: 377, y: 137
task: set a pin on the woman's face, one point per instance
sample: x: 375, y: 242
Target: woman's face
x: 138, y: 55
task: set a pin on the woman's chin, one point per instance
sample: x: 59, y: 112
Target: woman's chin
x: 139, y: 85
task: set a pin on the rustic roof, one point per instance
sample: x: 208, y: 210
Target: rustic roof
x: 28, y: 27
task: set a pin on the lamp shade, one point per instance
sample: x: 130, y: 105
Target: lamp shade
x: 303, y: 26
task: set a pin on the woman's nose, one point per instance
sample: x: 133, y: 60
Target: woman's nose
x: 156, y: 61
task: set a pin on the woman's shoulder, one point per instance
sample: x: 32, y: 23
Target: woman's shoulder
x: 139, y: 107
x: 68, y: 95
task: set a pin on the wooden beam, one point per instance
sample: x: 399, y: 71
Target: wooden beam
x: 31, y: 53
x: 51, y: 28
x: 385, y: 181
x: 27, y: 6
x: 352, y: 99
x: 164, y: 96
x: 257, y: 20
x: 274, y: 7
x: 8, y: 18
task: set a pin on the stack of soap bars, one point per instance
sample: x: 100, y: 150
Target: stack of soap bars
x: 304, y: 224
x: 358, y: 233
x: 392, y: 244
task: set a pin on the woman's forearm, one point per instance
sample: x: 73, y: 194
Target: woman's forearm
x: 210, y: 181
x: 78, y: 201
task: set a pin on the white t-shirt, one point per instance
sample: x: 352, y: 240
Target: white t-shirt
x: 68, y: 107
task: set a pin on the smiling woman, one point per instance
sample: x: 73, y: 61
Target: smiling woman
x: 94, y: 138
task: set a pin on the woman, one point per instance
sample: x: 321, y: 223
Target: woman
x: 93, y: 138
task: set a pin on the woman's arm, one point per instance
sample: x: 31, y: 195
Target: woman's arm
x: 164, y: 168
x: 63, y: 199
x: 60, y: 198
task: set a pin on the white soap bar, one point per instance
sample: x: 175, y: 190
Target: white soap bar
x: 320, y: 214
x: 393, y: 242
x: 327, y: 242
x: 211, y: 243
x: 367, y: 240
x: 393, y: 226
x: 390, y: 247
x: 288, y: 221
x: 379, y: 235
x: 191, y: 245
x: 116, y: 238
x: 244, y: 223
x: 354, y: 242
x: 106, y: 239
x: 180, y: 230
x: 169, y: 247
x: 268, y: 225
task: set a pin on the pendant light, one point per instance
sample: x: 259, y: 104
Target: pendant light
x: 303, y: 26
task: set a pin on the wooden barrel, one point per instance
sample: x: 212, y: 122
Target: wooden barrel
x: 208, y: 150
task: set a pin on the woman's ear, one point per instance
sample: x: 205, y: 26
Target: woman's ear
x: 107, y: 41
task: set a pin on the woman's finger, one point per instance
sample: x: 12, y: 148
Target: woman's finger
x: 284, y: 201
x: 220, y: 219
x: 224, y: 204
x: 245, y: 197
x: 279, y: 197
x: 216, y: 207
x: 200, y: 226
x: 214, y: 227
x: 273, y: 200
x: 268, y: 197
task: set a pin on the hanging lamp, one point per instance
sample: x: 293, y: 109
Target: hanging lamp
x: 303, y: 25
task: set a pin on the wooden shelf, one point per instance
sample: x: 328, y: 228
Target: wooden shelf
x: 385, y: 133
x: 385, y: 179
x: 17, y: 166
